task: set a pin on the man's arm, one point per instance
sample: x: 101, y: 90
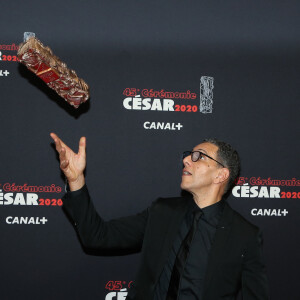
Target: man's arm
x: 95, y: 233
x: 254, y: 278
x: 122, y: 234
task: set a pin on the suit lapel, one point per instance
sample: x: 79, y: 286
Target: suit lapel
x: 218, y: 246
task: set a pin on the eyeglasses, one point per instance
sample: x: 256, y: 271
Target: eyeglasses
x: 196, y: 155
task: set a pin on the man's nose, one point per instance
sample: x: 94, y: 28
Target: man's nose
x: 187, y: 160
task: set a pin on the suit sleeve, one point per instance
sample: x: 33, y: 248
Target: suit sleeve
x: 254, y: 278
x: 95, y: 233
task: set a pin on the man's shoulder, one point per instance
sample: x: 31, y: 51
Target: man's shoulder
x: 240, y: 222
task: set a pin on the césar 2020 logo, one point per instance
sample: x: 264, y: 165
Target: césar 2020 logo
x: 257, y: 187
x: 118, y: 289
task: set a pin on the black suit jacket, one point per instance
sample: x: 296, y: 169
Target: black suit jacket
x: 235, y: 259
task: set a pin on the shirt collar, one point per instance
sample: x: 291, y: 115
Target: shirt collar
x: 210, y: 211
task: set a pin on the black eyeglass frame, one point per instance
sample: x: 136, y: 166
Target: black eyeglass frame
x: 187, y: 153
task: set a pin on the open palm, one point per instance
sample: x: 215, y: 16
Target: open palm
x: 72, y: 164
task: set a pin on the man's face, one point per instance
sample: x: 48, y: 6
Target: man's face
x: 198, y: 176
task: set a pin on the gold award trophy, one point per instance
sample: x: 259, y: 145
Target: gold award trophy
x: 41, y: 61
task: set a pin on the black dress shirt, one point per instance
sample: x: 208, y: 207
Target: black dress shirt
x: 191, y: 285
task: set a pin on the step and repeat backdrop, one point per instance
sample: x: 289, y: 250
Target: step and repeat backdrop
x: 163, y: 76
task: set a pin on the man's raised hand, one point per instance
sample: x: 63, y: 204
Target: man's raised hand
x: 72, y: 164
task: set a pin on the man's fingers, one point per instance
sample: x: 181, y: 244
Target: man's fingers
x: 55, y: 138
x: 62, y: 154
x: 53, y: 135
x: 82, y: 146
x: 64, y: 164
x: 58, y: 142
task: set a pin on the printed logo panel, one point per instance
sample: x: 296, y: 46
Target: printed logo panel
x: 166, y: 101
x: 25, y: 195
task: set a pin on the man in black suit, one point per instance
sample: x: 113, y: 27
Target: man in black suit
x: 192, y: 247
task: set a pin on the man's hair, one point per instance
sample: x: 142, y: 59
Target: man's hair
x: 229, y: 158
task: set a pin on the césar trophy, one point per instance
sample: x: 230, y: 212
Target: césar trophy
x: 55, y: 73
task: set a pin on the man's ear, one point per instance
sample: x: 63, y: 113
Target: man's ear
x: 222, y: 175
